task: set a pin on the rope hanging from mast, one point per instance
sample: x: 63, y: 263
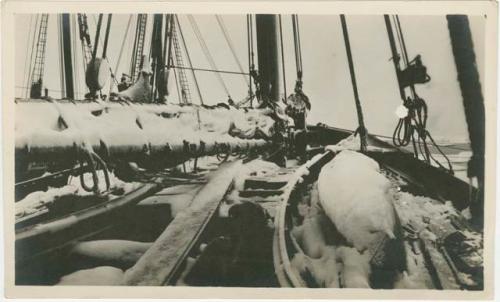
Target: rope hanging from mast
x: 298, y: 49
x: 27, y: 64
x: 230, y: 44
x: 206, y: 51
x: 412, y: 124
x: 188, y: 58
x: 125, y: 35
x: 252, y: 73
x: 297, y: 103
x: 361, y: 124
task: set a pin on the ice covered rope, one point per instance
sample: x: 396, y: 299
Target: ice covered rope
x: 354, y: 195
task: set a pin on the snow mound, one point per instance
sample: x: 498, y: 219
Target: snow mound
x: 310, y: 236
x: 356, y: 267
x: 420, y: 210
x: 354, y: 194
x: 38, y: 200
x: 324, y: 270
x: 103, y: 275
x: 50, y: 124
x: 353, y: 142
x: 123, y: 252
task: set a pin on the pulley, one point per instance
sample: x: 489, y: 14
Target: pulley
x: 97, y: 74
x: 414, y: 73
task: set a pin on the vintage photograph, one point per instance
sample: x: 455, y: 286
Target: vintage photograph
x: 250, y: 150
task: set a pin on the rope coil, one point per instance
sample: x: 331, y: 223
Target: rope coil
x: 412, y: 127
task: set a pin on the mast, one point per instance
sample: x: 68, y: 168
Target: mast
x: 67, y: 56
x: 468, y: 78
x: 267, y: 51
x: 138, y: 49
x: 156, y: 53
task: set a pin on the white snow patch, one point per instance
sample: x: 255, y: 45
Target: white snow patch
x: 255, y: 168
x: 419, y: 211
x: 38, y: 200
x: 356, y: 267
x: 310, y: 237
x: 406, y: 281
x: 103, y: 275
x: 49, y: 124
x: 323, y: 270
x: 353, y: 142
x: 121, y: 251
x: 354, y: 194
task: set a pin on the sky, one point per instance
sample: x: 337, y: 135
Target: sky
x: 326, y: 74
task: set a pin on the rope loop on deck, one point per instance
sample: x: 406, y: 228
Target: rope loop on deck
x: 90, y: 159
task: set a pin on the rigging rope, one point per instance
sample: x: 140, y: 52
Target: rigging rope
x: 412, y: 127
x: 97, y: 38
x: 125, y: 35
x: 27, y: 65
x: 251, y: 63
x: 298, y: 49
x: 206, y: 51
x: 189, y: 60
x: 229, y: 42
x: 361, y: 124
x: 32, y: 62
x: 177, y: 86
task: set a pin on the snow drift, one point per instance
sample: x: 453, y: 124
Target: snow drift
x: 354, y: 195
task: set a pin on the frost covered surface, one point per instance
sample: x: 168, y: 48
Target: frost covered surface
x: 355, y: 196
x: 361, y: 202
x: 102, y: 275
x: 324, y: 262
x: 124, y: 253
x: 353, y: 142
x: 324, y: 269
x: 432, y: 219
x: 38, y: 200
x: 62, y: 124
x: 255, y: 168
x: 420, y: 210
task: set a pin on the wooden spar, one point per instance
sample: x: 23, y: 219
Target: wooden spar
x: 361, y: 128
x: 395, y: 55
x: 468, y: 78
x: 143, y: 146
x: 67, y: 56
x: 168, y: 57
x: 106, y: 37
x: 157, y: 266
x: 147, y: 155
x: 267, y: 51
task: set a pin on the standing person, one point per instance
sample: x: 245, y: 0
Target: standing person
x: 298, y: 106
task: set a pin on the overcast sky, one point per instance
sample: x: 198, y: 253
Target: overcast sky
x: 326, y: 75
